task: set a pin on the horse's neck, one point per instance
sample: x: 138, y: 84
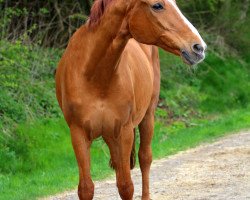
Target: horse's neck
x: 108, y: 41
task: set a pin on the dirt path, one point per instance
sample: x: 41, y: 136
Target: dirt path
x: 218, y: 171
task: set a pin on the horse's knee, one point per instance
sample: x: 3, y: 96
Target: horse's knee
x: 86, y: 190
x: 126, y: 190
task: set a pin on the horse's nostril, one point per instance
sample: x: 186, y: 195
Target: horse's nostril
x: 197, y: 48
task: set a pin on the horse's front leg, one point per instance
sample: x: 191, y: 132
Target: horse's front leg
x: 146, y: 128
x: 120, y: 146
x: 81, y: 145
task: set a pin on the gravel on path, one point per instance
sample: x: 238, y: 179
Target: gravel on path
x: 218, y: 171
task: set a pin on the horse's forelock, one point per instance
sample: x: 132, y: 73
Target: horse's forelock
x: 97, y: 11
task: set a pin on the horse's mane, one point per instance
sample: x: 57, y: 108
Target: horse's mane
x: 97, y: 11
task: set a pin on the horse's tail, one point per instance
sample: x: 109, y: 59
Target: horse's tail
x: 132, y: 156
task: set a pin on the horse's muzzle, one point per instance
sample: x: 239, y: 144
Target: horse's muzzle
x: 192, y: 58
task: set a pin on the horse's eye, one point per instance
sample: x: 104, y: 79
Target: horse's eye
x: 157, y: 7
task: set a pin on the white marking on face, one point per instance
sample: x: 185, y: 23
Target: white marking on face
x: 192, y: 28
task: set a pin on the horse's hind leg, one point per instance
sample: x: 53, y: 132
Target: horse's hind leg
x: 81, y: 145
x: 146, y: 128
x: 120, y: 146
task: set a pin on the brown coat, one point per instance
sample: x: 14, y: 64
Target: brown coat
x: 107, y: 83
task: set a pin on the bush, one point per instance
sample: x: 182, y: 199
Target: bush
x: 217, y: 85
x: 27, y: 94
x: 226, y: 83
x: 49, y: 23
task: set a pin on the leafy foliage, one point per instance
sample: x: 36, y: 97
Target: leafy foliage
x: 48, y: 23
x: 51, y: 23
x: 217, y: 85
x: 224, y: 21
x: 27, y: 93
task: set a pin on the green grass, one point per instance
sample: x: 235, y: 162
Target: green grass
x: 203, y: 131
x: 56, y: 168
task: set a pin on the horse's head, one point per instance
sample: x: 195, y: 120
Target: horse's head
x: 161, y: 23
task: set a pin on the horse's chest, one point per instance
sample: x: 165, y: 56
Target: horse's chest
x: 100, y: 116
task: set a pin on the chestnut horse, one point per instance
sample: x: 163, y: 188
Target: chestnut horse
x: 108, y: 82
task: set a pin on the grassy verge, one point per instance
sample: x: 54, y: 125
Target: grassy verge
x: 55, y: 163
x: 203, y: 131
